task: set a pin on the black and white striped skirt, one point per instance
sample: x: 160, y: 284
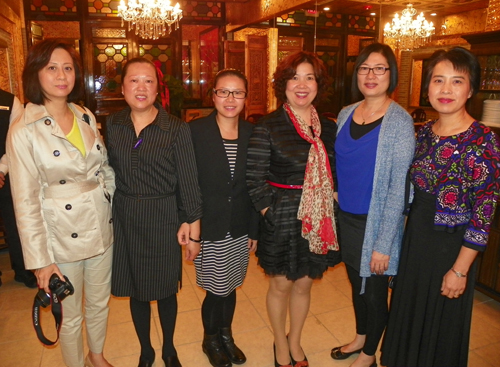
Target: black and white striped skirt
x: 221, y: 266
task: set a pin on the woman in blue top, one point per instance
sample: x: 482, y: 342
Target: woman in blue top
x: 374, y: 148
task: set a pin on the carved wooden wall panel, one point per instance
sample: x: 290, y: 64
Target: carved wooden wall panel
x: 234, y: 55
x: 256, y: 69
x: 11, y: 50
x: 6, y: 63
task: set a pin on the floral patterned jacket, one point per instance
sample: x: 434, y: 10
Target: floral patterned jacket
x: 463, y: 171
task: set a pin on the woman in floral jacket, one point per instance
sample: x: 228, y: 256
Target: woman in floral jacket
x: 456, y: 174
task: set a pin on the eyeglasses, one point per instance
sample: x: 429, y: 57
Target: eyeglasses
x: 224, y: 93
x: 377, y: 70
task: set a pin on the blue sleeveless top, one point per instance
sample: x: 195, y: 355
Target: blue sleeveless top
x: 355, y: 162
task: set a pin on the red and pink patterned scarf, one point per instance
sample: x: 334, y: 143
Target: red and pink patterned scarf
x: 316, y: 203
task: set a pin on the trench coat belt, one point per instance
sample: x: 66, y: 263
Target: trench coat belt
x: 69, y: 189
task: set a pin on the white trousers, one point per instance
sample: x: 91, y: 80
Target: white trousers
x: 92, y: 278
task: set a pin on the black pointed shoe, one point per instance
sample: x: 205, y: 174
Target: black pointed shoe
x: 172, y: 361
x: 276, y: 363
x: 214, y: 350
x: 337, y: 353
x: 303, y: 363
x: 145, y: 363
x: 234, y: 353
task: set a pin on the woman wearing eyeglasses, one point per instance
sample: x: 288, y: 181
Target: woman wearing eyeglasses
x: 289, y: 175
x: 374, y: 148
x: 156, y: 190
x: 229, y: 227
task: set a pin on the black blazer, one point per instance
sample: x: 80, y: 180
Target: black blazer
x: 226, y: 204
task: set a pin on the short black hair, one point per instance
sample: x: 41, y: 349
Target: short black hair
x: 38, y: 57
x: 385, y: 51
x: 462, y: 60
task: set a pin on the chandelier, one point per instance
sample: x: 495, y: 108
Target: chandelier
x: 407, y: 32
x: 152, y: 18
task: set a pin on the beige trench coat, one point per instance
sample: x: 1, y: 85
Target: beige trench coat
x: 62, y: 199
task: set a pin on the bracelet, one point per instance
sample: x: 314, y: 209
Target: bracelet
x: 193, y: 240
x: 459, y: 274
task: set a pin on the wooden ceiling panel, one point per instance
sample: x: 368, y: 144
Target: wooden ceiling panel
x: 358, y: 7
x: 389, y: 7
x: 255, y: 11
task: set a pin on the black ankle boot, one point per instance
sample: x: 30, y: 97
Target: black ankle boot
x: 212, y: 347
x: 234, y: 353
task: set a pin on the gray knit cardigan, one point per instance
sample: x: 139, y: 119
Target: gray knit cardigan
x: 385, y: 222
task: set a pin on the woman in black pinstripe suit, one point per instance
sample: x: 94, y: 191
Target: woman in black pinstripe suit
x: 152, y: 154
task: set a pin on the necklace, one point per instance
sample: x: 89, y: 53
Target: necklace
x: 373, y: 113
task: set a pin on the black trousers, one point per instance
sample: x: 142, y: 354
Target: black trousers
x: 370, y: 308
x: 9, y: 222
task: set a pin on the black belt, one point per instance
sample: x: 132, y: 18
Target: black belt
x: 144, y: 197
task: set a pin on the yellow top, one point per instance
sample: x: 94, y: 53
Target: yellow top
x: 75, y: 137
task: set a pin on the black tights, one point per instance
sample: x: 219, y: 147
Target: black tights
x: 217, y: 312
x: 370, y: 308
x: 141, y: 316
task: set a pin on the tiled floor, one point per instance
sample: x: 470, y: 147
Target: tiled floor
x: 330, y: 323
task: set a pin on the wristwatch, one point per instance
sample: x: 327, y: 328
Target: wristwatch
x: 459, y: 274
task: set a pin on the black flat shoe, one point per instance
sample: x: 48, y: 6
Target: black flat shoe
x: 172, y: 361
x: 338, y: 354
x: 276, y: 364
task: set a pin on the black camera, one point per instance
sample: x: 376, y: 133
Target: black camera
x: 58, y: 287
x: 59, y: 290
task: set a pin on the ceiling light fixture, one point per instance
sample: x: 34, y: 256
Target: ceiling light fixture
x: 152, y: 18
x: 408, y: 33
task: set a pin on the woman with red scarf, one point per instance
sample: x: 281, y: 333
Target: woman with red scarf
x: 290, y: 181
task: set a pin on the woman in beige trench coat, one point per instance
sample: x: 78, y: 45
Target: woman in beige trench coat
x: 62, y: 187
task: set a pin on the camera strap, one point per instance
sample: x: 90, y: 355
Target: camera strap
x: 56, y: 311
